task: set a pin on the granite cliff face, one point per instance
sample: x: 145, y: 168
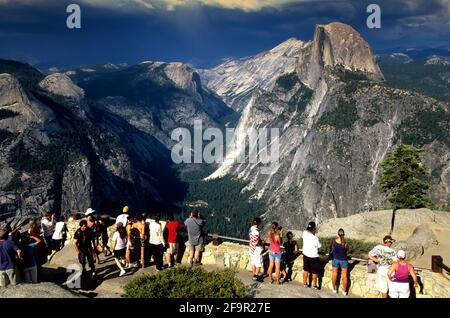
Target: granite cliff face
x: 236, y: 79
x: 337, y: 119
x: 101, y: 142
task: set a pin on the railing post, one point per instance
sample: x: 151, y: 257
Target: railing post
x: 215, y: 239
x: 436, y: 263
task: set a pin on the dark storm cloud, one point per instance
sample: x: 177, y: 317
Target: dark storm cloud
x: 202, y: 31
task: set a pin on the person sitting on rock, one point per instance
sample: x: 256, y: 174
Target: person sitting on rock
x: 398, y: 276
x: 83, y: 243
x: 384, y: 256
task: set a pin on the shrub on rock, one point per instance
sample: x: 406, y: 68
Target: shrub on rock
x: 186, y: 282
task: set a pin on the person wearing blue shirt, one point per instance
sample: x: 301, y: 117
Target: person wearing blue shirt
x: 8, y: 266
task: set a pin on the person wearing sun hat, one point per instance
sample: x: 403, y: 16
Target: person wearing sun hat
x: 398, y: 276
x: 384, y: 256
x: 89, y: 212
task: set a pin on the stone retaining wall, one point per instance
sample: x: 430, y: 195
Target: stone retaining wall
x: 362, y: 283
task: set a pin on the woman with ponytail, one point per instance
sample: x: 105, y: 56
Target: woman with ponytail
x: 339, y: 248
x: 274, y: 252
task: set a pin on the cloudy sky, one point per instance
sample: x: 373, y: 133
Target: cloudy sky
x: 201, y: 32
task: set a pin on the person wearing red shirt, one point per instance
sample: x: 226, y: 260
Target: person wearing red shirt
x: 172, y: 230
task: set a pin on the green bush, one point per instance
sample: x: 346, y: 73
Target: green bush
x: 357, y: 248
x: 186, y: 282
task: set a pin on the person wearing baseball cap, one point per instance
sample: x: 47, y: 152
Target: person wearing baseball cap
x: 123, y: 218
x: 311, y: 261
x: 398, y: 276
x: 384, y: 256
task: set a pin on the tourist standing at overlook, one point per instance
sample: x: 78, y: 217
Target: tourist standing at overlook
x: 139, y: 225
x: 398, y: 276
x: 311, y: 261
x: 58, y: 235
x: 123, y: 218
x: 29, y: 261
x: 339, y: 249
x: 172, y: 229
x: 95, y: 237
x: 157, y: 243
x: 83, y: 243
x: 274, y: 238
x: 256, y: 248
x: 290, y: 252
x: 384, y: 256
x: 48, y: 227
x: 33, y: 230
x: 9, y: 251
x: 196, y: 240
x: 119, y: 246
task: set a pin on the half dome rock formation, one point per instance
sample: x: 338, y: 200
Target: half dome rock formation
x: 336, y: 44
x: 183, y: 76
x: 62, y: 85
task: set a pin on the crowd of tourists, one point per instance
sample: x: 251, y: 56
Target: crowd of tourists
x: 394, y: 273
x: 22, y: 254
x: 136, y: 242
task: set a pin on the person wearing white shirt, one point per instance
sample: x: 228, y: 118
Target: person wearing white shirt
x: 119, y: 246
x: 47, y: 228
x: 123, y: 218
x: 157, y: 242
x: 384, y: 256
x: 58, y: 235
x: 311, y: 261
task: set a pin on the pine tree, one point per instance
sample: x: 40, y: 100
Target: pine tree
x: 405, y: 178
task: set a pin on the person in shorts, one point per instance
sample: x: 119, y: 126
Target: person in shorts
x: 119, y: 246
x: 311, y: 261
x: 274, y: 237
x: 196, y: 238
x: 339, y: 249
x: 9, y: 252
x: 384, y: 256
x: 255, y: 249
x: 58, y: 235
x: 83, y: 242
x: 398, y: 276
x: 172, y: 230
